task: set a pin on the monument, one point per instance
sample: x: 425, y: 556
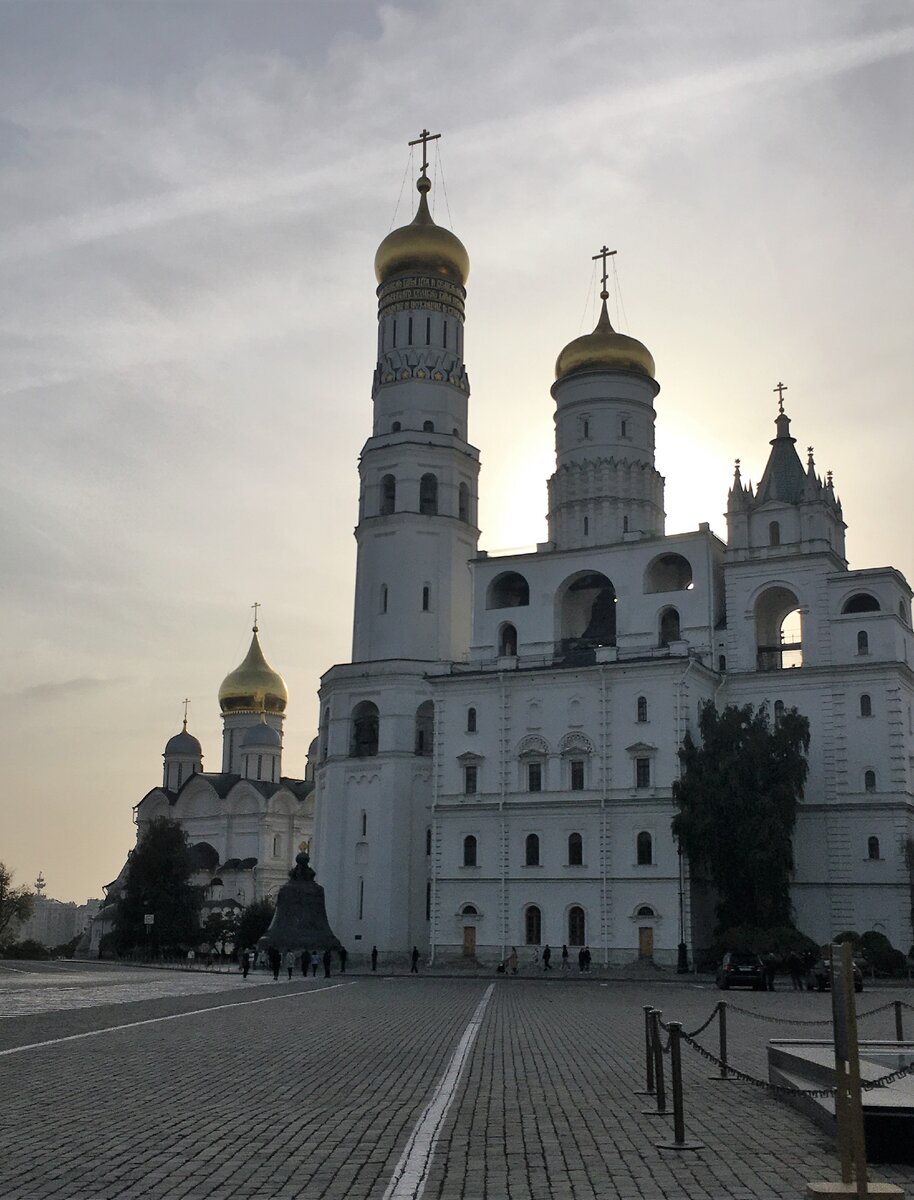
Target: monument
x: 300, y: 921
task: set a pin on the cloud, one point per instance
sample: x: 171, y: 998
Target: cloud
x: 67, y: 688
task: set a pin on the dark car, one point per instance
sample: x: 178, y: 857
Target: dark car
x: 819, y: 977
x: 740, y: 969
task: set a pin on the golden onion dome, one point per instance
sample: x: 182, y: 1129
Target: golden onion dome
x: 422, y: 248
x: 604, y: 350
x: 254, y: 686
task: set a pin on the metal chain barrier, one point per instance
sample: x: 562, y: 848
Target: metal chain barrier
x: 748, y: 1012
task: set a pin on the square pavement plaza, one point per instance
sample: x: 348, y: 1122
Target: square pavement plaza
x: 326, y: 1089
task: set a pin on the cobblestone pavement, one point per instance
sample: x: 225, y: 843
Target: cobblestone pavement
x: 311, y: 1088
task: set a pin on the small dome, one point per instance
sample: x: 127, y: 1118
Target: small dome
x: 261, y: 735
x: 254, y: 686
x: 183, y: 743
x: 422, y: 248
x: 604, y: 350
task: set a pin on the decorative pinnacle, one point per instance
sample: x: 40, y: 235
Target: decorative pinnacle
x: 255, y: 607
x: 604, y: 254
x: 185, y: 702
x: 780, y: 389
x: 424, y: 137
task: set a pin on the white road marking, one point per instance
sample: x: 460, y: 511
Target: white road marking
x: 411, y: 1172
x: 75, y: 1037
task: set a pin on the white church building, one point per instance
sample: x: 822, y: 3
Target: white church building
x: 494, y: 767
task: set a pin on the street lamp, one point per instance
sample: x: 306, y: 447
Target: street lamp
x: 682, y: 954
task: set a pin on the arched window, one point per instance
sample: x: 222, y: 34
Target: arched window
x: 669, y: 626
x: 645, y: 910
x: 575, y: 850
x: 425, y: 727
x: 463, y: 503
x: 510, y: 590
x: 469, y: 851
x: 507, y: 641
x: 428, y: 842
x: 388, y: 495
x: 325, y: 733
x: 533, y: 922
x: 645, y: 847
x: 428, y: 495
x: 668, y: 573
x: 642, y: 708
x: 778, y: 630
x: 774, y: 533
x: 863, y: 642
x: 426, y: 598
x: 396, y: 427
x: 532, y: 850
x: 428, y: 426
x: 469, y: 910
x: 364, y: 740
x: 576, y: 926
x: 869, y: 781
x: 364, y: 823
x: 860, y: 602
x: 872, y: 848
x: 778, y: 711
x: 471, y: 720
x: 866, y: 706
x: 384, y: 597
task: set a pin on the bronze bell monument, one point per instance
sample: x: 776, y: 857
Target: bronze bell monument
x: 300, y: 921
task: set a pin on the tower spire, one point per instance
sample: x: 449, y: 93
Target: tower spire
x: 604, y: 253
x: 424, y: 138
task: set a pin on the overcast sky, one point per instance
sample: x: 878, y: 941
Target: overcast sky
x: 191, y: 195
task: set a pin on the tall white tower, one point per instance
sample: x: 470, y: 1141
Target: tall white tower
x: 605, y: 483
x: 419, y: 474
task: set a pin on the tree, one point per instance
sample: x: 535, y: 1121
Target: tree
x: 158, y: 883
x: 221, y: 927
x: 15, y: 905
x: 737, y: 799
x: 255, y: 921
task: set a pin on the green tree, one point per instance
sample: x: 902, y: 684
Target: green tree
x: 219, y: 928
x: 255, y: 921
x: 737, y: 799
x: 158, y: 883
x: 15, y: 905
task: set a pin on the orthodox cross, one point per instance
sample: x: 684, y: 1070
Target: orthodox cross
x: 780, y: 389
x: 185, y: 702
x: 605, y: 253
x: 425, y: 137
x: 255, y: 608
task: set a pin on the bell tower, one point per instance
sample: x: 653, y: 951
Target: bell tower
x: 418, y: 473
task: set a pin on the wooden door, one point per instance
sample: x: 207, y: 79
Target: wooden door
x: 469, y: 941
x: 645, y: 942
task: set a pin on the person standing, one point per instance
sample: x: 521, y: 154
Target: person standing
x: 275, y: 960
x: 587, y: 958
x: 305, y: 962
x: 581, y: 959
x: 343, y: 956
x: 512, y: 960
x: 795, y: 967
x: 770, y: 963
x: 374, y: 958
x: 565, y: 964
x: 547, y: 955
x: 290, y: 962
x: 245, y: 964
x: 414, y: 959
x: 315, y: 962
x: 327, y: 961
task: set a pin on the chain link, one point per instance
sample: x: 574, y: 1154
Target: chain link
x: 748, y: 1012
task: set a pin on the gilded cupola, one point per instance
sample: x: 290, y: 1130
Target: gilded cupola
x: 604, y: 350
x: 422, y: 247
x: 254, y: 686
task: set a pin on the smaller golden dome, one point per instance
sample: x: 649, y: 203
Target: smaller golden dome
x: 604, y: 350
x: 254, y: 686
x: 422, y: 248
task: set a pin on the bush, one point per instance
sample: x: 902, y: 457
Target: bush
x: 778, y: 941
x: 880, y: 954
x: 27, y: 949
x: 848, y: 936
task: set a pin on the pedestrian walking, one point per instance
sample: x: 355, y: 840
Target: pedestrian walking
x: 565, y: 963
x: 245, y: 964
x: 315, y: 962
x: 535, y: 960
x: 374, y: 958
x: 795, y: 967
x: 327, y: 961
x: 770, y: 963
x: 414, y: 959
x: 547, y: 955
x: 290, y: 962
x: 275, y: 960
x: 343, y: 956
x: 512, y: 960
x: 587, y: 959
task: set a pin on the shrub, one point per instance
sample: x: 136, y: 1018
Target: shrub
x: 880, y: 954
x: 778, y: 941
x: 27, y: 949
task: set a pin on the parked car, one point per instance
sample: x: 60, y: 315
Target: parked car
x: 740, y: 969
x: 819, y: 977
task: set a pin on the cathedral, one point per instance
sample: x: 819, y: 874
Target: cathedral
x: 494, y: 767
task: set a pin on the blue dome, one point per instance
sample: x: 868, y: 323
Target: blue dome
x: 183, y: 743
x: 262, y: 735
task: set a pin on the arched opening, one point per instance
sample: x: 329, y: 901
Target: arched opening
x: 577, y: 931
x: 325, y: 733
x: 364, y: 823
x: 869, y: 781
x: 365, y: 721
x: 469, y: 851
x: 428, y: 426
x: 388, y: 495
x: 863, y: 642
x: 428, y: 495
x: 642, y: 709
x: 860, y: 602
x: 645, y: 849
x: 510, y: 590
x: 575, y: 850
x: 778, y: 711
x: 507, y: 641
x: 469, y: 910
x: 533, y: 923
x: 774, y: 533
x: 428, y: 842
x: 471, y: 720
x: 531, y: 850
x: 778, y: 630
x: 872, y: 848
x: 463, y: 503
x: 425, y: 727
x: 669, y: 630
x: 645, y: 910
x: 384, y: 597
x: 395, y: 428
x: 587, y: 617
x: 668, y: 573
x: 866, y: 706
x: 204, y: 857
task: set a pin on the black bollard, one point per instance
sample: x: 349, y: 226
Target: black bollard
x: 648, y: 1053
x: 657, y: 1048
x: 722, y: 1015
x: 679, y: 1138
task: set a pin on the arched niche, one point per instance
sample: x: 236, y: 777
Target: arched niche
x: 204, y: 857
x: 425, y: 727
x: 668, y: 573
x: 860, y: 602
x: 778, y: 629
x: 364, y: 733
x: 586, y: 612
x: 509, y: 590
